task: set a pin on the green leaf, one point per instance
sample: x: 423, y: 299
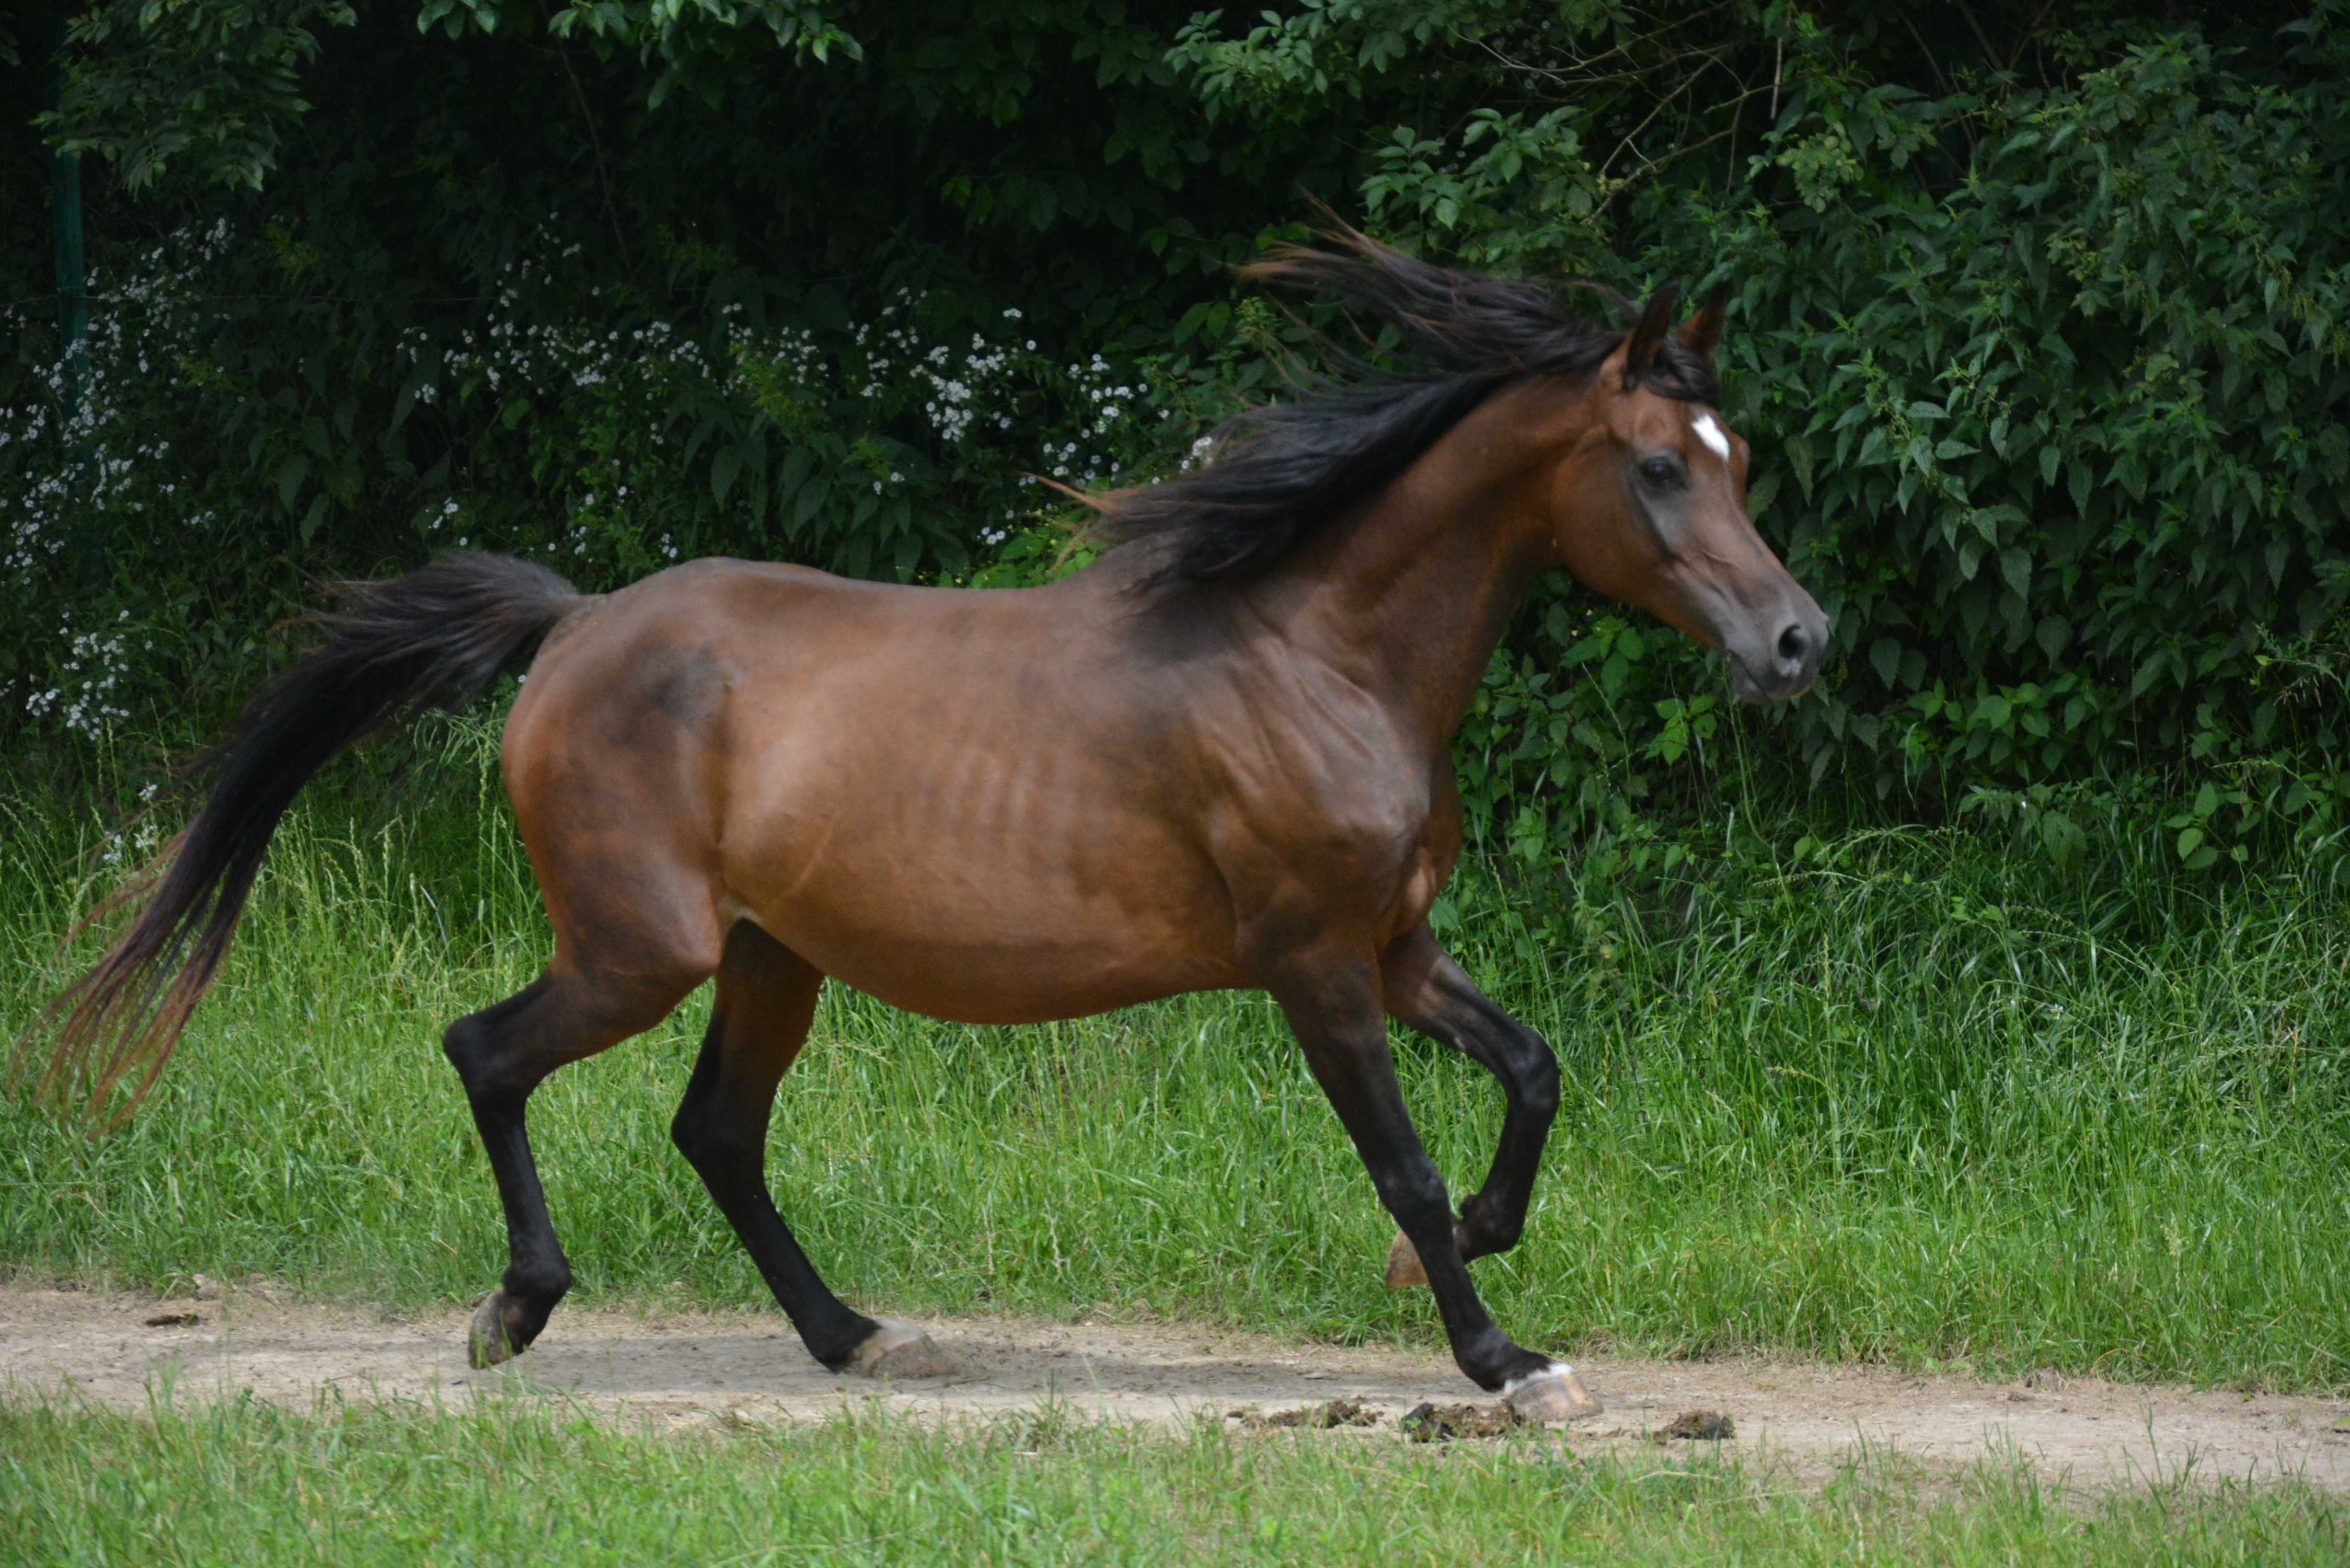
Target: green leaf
x: 290, y: 476
x: 2061, y: 838
x: 2015, y: 565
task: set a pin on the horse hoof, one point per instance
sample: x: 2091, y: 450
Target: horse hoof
x: 487, y: 1343
x: 1403, y: 1265
x: 1551, y: 1396
x: 900, y: 1350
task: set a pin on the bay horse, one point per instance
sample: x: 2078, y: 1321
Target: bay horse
x: 1217, y: 757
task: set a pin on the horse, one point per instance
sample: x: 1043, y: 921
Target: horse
x: 1217, y: 757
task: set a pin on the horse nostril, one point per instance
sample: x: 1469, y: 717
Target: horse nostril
x: 1794, y: 645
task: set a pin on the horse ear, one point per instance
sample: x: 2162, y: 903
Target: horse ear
x: 1701, y: 332
x: 1650, y: 336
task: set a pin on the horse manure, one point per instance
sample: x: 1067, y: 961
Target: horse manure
x: 1434, y: 1423
x: 1705, y: 1425
x: 175, y: 1320
x: 1330, y: 1413
x: 1327, y: 1414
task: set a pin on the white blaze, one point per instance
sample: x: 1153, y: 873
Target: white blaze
x: 1711, y: 434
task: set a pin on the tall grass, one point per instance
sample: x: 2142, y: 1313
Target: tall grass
x: 244, y: 1483
x: 1908, y: 1098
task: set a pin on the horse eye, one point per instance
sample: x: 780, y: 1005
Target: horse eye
x: 1660, y: 470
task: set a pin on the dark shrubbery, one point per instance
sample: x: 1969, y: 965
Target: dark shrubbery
x: 2039, y: 333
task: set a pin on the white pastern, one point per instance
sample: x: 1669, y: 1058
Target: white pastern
x: 1711, y: 434
x: 1557, y: 1370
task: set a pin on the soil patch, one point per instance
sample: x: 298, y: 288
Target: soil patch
x: 692, y: 1368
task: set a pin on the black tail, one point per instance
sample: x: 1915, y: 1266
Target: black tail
x: 434, y: 639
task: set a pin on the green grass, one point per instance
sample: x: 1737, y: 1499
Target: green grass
x: 1912, y: 1099
x: 248, y: 1484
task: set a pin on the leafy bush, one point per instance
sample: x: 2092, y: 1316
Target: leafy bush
x: 2048, y: 391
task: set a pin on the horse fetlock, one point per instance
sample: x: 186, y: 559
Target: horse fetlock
x: 1493, y: 1361
x: 898, y: 1350
x: 1487, y: 1227
x: 538, y: 1282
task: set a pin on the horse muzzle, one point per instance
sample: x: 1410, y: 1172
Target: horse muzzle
x: 1784, y: 660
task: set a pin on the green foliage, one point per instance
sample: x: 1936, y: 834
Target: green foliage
x: 1516, y: 194
x: 2048, y: 395
x: 698, y: 44
x: 214, y: 86
x: 2062, y: 449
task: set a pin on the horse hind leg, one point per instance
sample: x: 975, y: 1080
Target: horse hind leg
x: 500, y: 1054
x: 766, y: 1001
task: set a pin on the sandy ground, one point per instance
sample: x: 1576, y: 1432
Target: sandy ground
x: 681, y: 1369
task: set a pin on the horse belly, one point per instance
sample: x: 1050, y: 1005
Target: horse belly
x: 990, y: 985
x: 946, y: 893
x: 1024, y: 955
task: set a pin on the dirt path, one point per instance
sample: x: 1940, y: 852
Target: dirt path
x: 686, y: 1369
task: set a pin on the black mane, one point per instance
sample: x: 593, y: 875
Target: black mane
x: 1280, y: 471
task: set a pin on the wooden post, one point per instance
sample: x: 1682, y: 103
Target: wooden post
x: 65, y: 216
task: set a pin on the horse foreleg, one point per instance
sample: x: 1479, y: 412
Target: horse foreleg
x: 1427, y: 991
x: 766, y: 1001
x: 1332, y: 1001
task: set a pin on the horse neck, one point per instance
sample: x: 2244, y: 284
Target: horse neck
x: 1411, y: 596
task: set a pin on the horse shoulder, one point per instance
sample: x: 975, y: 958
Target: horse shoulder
x: 1320, y: 776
